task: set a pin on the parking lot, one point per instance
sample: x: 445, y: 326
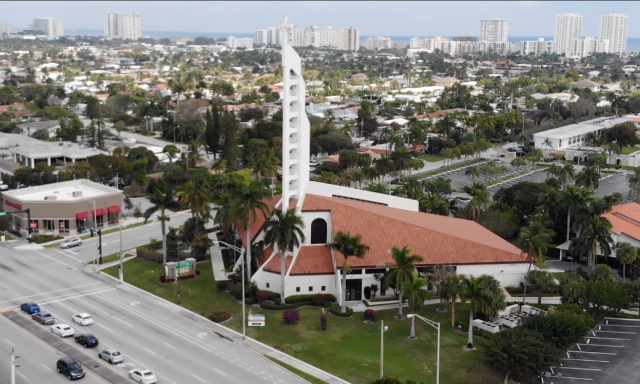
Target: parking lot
x: 616, y: 182
x: 459, y: 180
x: 538, y: 176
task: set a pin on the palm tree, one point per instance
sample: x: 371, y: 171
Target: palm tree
x: 535, y: 240
x: 566, y: 174
x: 547, y: 143
x: 541, y: 281
x: 401, y: 159
x: 450, y: 289
x: 349, y: 246
x: 594, y: 233
x: 626, y: 254
x: 247, y: 203
x: 589, y: 177
x: 285, y: 232
x: 484, y: 296
x: 472, y: 172
x: 575, y: 198
x: 634, y: 184
x: 403, y: 271
x: 162, y: 197
x: 416, y: 295
x: 554, y: 171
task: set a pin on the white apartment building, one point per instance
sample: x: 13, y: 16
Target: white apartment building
x: 348, y: 39
x: 58, y: 28
x: 494, y: 30
x: 49, y: 26
x: 122, y: 25
x: 240, y: 42
x: 568, y: 28
x: 5, y: 28
x: 435, y: 43
x: 454, y: 48
x: 537, y: 47
x: 261, y: 37
x: 377, y: 42
x: 587, y: 45
x: 416, y: 43
x: 613, y: 27
x: 319, y: 37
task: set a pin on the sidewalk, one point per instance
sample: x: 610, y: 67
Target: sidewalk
x: 250, y: 344
x: 216, y: 260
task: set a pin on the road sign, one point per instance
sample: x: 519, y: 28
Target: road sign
x: 257, y: 320
x: 3, y: 213
x: 183, y: 264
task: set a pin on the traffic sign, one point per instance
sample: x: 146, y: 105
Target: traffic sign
x: 257, y: 320
x: 3, y: 213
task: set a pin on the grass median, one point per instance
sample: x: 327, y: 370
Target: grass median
x: 349, y: 349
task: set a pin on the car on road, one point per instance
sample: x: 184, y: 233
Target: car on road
x: 30, y: 308
x: 70, y: 368
x: 71, y: 242
x: 143, y: 376
x: 87, y: 340
x: 43, y: 318
x: 83, y: 319
x: 113, y: 356
x: 63, y: 330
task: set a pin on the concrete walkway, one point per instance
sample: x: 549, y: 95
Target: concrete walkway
x: 216, y: 260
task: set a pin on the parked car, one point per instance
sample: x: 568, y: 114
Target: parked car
x: 70, y: 368
x: 71, y: 242
x: 83, y: 319
x: 111, y: 355
x: 63, y: 330
x: 43, y: 318
x: 143, y: 376
x: 30, y: 308
x: 87, y: 340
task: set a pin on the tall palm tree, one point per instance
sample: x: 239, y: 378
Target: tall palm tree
x: 535, y: 240
x: 197, y: 195
x: 594, y: 233
x: 416, y: 295
x: 285, y: 231
x: 349, y: 246
x: 541, y: 281
x: 403, y: 271
x: 567, y: 173
x: 247, y: 204
x: 472, y: 172
x: 575, y: 198
x: 484, y: 296
x: 450, y: 289
x: 554, y: 171
x: 589, y: 177
x: 162, y: 197
x: 626, y: 254
x: 634, y: 184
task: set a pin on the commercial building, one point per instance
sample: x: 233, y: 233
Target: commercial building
x: 614, y: 27
x: 465, y: 38
x: 574, y: 135
x: 49, y: 26
x: 239, y: 42
x: 122, y: 25
x: 377, y: 42
x: 568, y: 28
x: 68, y: 208
x: 494, y: 30
x: 537, y: 47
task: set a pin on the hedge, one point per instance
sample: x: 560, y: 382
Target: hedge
x: 163, y: 278
x: 40, y: 239
x: 298, y: 298
x: 220, y: 317
x: 276, y: 307
x: 336, y: 311
x: 222, y: 285
x: 149, y: 255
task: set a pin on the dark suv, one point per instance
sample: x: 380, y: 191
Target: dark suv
x: 88, y: 340
x: 71, y: 368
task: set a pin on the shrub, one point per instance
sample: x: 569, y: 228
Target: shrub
x: 222, y: 285
x: 324, y: 322
x: 319, y: 299
x: 277, y: 307
x: 262, y: 296
x: 291, y: 316
x: 149, y: 255
x: 370, y: 315
x: 297, y: 298
x: 198, y: 273
x: 163, y: 279
x: 220, y: 317
x: 40, y: 239
x: 336, y: 311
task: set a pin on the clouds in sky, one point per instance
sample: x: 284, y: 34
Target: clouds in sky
x: 385, y: 18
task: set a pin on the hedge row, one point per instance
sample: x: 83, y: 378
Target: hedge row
x: 298, y: 298
x: 220, y: 317
x: 41, y: 239
x: 336, y: 311
x: 149, y: 255
x: 276, y: 307
x: 163, y: 278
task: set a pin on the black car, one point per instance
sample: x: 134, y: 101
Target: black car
x: 70, y: 368
x: 43, y: 318
x: 87, y: 340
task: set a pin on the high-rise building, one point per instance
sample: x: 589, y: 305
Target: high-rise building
x: 377, y: 42
x: 494, y: 30
x: 5, y: 28
x: 465, y: 38
x: 122, y: 25
x: 466, y: 47
x: 537, y: 47
x: 239, y: 42
x: 586, y: 46
x: 416, y: 43
x: 435, y: 43
x: 568, y: 28
x: 262, y: 37
x: 49, y: 26
x: 58, y: 28
x: 613, y: 27
x: 349, y: 39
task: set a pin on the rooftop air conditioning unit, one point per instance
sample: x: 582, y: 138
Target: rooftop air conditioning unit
x: 47, y: 198
x: 77, y: 193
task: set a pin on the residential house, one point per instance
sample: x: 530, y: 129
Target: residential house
x: 586, y: 84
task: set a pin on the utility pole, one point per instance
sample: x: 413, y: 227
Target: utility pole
x: 100, y: 246
x: 13, y: 366
x: 121, y: 257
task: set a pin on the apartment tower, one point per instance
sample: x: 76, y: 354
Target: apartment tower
x: 568, y: 28
x: 494, y: 30
x: 613, y: 27
x: 122, y: 25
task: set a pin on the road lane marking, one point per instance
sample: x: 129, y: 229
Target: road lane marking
x: 164, y: 377
x: 23, y: 376
x: 48, y: 292
x: 122, y: 321
x: 216, y: 369
x: 150, y: 351
x: 100, y: 290
x: 56, y: 260
x: 68, y: 255
x: 169, y: 345
x: 50, y: 370
x: 203, y: 380
x: 9, y: 342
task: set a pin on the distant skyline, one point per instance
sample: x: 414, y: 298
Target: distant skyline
x: 398, y: 18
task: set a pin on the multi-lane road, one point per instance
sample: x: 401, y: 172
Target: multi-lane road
x: 176, y: 349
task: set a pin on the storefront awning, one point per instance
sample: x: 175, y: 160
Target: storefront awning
x: 557, y: 153
x: 98, y: 212
x: 82, y: 215
x: 114, y: 209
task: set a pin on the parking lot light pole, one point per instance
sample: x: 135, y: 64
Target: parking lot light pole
x: 436, y: 326
x: 244, y: 316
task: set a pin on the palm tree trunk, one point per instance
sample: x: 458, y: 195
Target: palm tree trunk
x: 248, y: 254
x: 453, y: 313
x: 400, y: 316
x: 624, y: 278
x: 282, y: 273
x: 526, y: 283
x: 568, y: 223
x: 470, y: 339
x: 540, y: 298
x: 164, y: 239
x: 344, y: 288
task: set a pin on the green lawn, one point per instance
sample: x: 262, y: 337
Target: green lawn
x: 306, y: 376
x: 113, y: 257
x: 431, y: 158
x: 108, y: 231
x: 349, y: 341
x: 629, y: 150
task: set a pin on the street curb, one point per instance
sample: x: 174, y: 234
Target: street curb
x: 145, y: 296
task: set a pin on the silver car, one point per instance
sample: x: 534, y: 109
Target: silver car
x: 113, y: 356
x: 71, y: 242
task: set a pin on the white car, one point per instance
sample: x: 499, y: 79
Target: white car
x: 63, y: 330
x: 83, y: 319
x: 143, y: 376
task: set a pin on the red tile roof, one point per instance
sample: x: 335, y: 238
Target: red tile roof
x: 274, y: 264
x: 257, y: 225
x: 313, y: 260
x: 17, y: 107
x: 438, y: 239
x: 625, y: 218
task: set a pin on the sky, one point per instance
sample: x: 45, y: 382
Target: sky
x: 374, y: 18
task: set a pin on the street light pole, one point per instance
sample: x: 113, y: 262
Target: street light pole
x: 382, y: 331
x: 121, y: 257
x: 436, y: 326
x: 244, y: 316
x: 13, y: 366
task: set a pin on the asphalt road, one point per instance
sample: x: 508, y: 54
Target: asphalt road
x: 176, y: 349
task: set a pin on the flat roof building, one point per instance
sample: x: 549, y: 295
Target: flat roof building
x: 67, y: 208
x: 574, y: 135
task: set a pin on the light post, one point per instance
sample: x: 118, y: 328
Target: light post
x: 178, y: 275
x: 436, y: 326
x: 239, y: 250
x: 13, y: 366
x: 383, y: 329
x: 121, y: 257
x: 95, y: 225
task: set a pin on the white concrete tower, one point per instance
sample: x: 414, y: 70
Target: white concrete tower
x: 614, y: 27
x: 295, y: 124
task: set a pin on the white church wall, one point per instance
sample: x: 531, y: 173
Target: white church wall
x: 509, y: 275
x: 329, y: 190
x: 308, y: 218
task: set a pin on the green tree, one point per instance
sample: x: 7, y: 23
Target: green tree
x: 484, y: 297
x: 402, y: 272
x: 535, y: 240
x: 541, y: 281
x: 285, y: 231
x: 349, y: 246
x: 213, y: 130
x: 416, y: 293
x: 589, y: 177
x: 230, y: 150
x: 162, y: 197
x: 626, y: 254
x: 472, y: 172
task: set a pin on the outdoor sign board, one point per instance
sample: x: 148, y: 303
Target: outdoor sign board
x: 257, y: 320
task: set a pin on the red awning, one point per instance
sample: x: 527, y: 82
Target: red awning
x: 114, y: 209
x: 82, y: 215
x: 557, y: 153
x: 98, y: 212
